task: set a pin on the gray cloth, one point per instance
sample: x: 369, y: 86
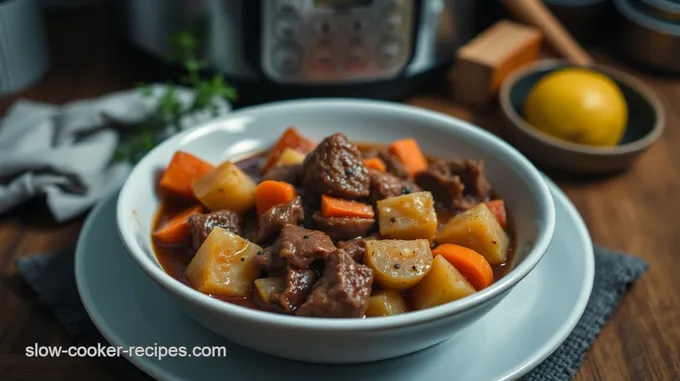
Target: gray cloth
x: 614, y: 272
x: 51, y: 276
x: 64, y: 152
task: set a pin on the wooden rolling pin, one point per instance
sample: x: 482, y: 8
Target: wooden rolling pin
x: 533, y: 12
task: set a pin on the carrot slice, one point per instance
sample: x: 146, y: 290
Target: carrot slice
x: 375, y: 163
x: 336, y: 207
x: 291, y: 138
x: 471, y: 264
x: 409, y: 154
x: 497, y: 207
x: 183, y: 169
x: 270, y: 193
x: 176, y: 230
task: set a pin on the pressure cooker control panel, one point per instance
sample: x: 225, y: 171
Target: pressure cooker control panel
x: 327, y: 41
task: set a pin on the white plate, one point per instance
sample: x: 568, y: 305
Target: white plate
x: 130, y: 309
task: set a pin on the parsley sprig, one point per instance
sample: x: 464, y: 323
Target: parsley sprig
x: 138, y: 139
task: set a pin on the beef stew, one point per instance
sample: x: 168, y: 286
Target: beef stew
x: 333, y: 229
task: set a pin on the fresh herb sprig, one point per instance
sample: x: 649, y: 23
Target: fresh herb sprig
x: 138, y: 139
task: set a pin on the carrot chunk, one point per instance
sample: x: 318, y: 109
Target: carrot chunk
x: 183, y: 169
x: 270, y: 193
x: 497, y: 207
x: 468, y: 262
x: 176, y: 230
x: 336, y: 207
x: 409, y: 154
x: 375, y: 163
x: 291, y: 138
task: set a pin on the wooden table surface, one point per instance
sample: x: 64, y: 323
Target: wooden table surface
x: 637, y: 212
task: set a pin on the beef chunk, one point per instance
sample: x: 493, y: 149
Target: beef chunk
x: 356, y: 248
x: 386, y: 185
x: 471, y: 173
x: 311, y: 202
x: 342, y: 291
x: 461, y: 183
x: 297, y: 246
x: 270, y: 260
x: 335, y: 168
x: 439, y: 166
x: 250, y: 226
x: 302, y: 246
x: 444, y: 187
x: 291, y: 174
x: 273, y: 220
x: 299, y: 284
x: 342, y: 228
x: 393, y: 165
x: 202, y: 224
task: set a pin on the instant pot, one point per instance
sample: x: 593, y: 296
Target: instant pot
x: 275, y: 49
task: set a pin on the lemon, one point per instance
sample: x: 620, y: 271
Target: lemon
x: 578, y: 105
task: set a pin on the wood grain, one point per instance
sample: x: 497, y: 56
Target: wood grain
x: 636, y: 212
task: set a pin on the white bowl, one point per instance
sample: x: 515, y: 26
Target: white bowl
x: 328, y: 340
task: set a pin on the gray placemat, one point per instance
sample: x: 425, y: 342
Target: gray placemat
x: 52, y: 278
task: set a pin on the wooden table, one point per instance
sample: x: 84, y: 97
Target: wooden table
x: 636, y: 212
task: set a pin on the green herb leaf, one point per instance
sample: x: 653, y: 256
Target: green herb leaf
x: 138, y: 139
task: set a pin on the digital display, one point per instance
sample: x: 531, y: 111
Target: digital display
x: 342, y: 3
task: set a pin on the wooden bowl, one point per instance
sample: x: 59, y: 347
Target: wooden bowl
x: 646, y: 120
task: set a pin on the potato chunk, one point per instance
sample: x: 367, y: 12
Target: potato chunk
x: 386, y: 303
x: 411, y: 216
x: 479, y: 230
x: 290, y: 156
x: 441, y: 285
x: 268, y: 289
x: 225, y: 187
x: 398, y: 264
x: 223, y: 265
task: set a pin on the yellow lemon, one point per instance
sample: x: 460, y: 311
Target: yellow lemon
x: 578, y: 105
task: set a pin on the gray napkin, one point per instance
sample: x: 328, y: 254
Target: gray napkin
x: 64, y: 152
x: 52, y: 278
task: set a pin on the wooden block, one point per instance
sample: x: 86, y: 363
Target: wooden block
x: 484, y: 62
